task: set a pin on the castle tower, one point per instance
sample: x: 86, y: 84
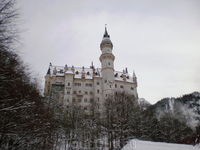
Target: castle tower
x: 107, y: 65
x: 47, y: 82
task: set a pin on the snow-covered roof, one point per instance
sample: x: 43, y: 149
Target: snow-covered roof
x: 148, y: 145
x: 60, y: 72
x: 118, y: 76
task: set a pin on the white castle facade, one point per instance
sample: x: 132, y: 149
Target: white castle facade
x: 82, y: 85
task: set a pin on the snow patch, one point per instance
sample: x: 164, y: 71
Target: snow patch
x: 191, y: 116
x: 148, y: 145
x: 171, y: 105
x: 143, y: 101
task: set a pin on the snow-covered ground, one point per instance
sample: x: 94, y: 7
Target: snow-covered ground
x: 148, y: 145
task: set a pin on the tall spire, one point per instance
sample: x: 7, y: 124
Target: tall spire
x: 106, y: 33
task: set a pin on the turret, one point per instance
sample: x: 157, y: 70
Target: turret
x: 107, y: 64
x: 134, y: 78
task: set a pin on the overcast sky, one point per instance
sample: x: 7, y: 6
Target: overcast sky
x: 160, y: 40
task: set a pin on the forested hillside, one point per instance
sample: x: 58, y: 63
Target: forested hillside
x: 186, y: 107
x: 26, y: 119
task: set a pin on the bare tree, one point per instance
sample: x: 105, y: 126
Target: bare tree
x: 26, y: 121
x: 118, y: 111
x: 9, y: 23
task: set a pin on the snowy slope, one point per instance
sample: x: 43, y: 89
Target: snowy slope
x: 186, y: 107
x: 148, y: 145
x: 143, y: 101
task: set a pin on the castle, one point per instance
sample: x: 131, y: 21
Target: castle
x: 83, y: 85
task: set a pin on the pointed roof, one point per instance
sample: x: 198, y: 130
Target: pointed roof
x: 106, y: 34
x: 134, y: 75
x: 48, y: 72
x: 106, y: 39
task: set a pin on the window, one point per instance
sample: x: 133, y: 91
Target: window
x: 97, y: 91
x: 121, y: 86
x: 91, y: 93
x: 77, y: 84
x: 74, y: 92
x: 106, y: 95
x: 132, y: 88
x: 58, y: 87
x: 68, y: 84
x: 73, y: 99
x: 97, y: 83
x: 67, y: 100
x: 97, y: 98
x: 110, y: 86
x: 85, y: 108
x: 79, y: 100
x: 109, y: 64
x: 86, y: 92
x: 79, y: 92
x: 85, y: 100
x: 68, y: 92
x: 88, y: 84
x: 115, y: 85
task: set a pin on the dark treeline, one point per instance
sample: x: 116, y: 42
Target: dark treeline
x: 121, y: 120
